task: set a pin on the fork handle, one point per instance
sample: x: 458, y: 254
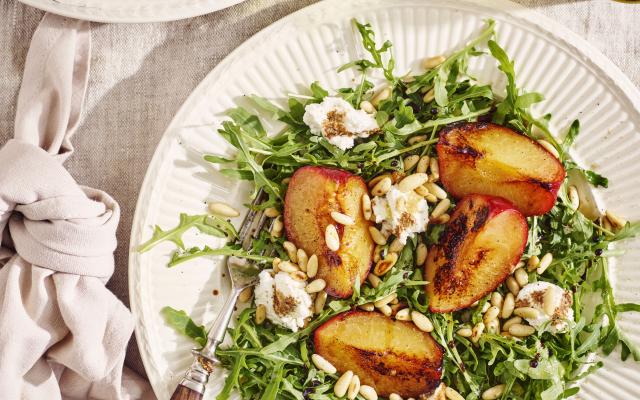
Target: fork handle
x: 185, y: 393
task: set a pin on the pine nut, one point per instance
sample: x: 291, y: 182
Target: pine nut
x: 521, y: 330
x: 421, y: 254
x: 367, y: 307
x: 285, y: 181
x: 354, y: 387
x: 312, y: 266
x: 422, y: 191
x: 374, y: 280
x: 394, y: 396
x: 429, y: 96
x: 432, y: 62
x: 396, y: 246
x: 292, y: 251
x: 423, y: 164
x: 511, y: 321
x: 367, y: 107
x: 532, y: 263
x: 615, y: 220
x: 298, y: 276
x: 496, y: 299
x: 527, y: 312
x: 441, y: 208
x: 485, y: 307
x: 519, y: 264
x: 465, y: 332
x: 277, y: 227
x: 512, y: 285
x: 368, y: 392
x: 381, y: 188
x: 383, y: 266
x: 386, y: 310
x: 331, y: 238
x: 415, y: 139
x: 452, y: 394
x: 549, y: 147
x: 315, y: 286
x: 385, y: 300
x: 574, y: 198
x: 443, y: 219
x: 376, y: 179
x: 302, y: 259
x: 319, y: 302
x: 412, y: 181
x: 246, y: 294
x: 342, y: 219
x: 435, y: 169
x: 271, y: 212
x: 431, y: 198
x: 606, y: 224
x: 521, y: 277
x: 491, y: 314
x: 551, y: 300
x: 493, y: 326
x: 276, y: 264
x: 410, y: 161
x: 544, y: 263
x: 494, y: 392
x: 366, y: 206
x: 287, y: 266
x: 222, y: 209
x: 261, y: 313
x: 421, y: 321
x: 436, y: 190
x: 342, y: 384
x: 508, y: 305
x: 404, y: 315
x: 322, y: 364
x: 382, y: 95
x: 477, y: 331
x: 377, y: 236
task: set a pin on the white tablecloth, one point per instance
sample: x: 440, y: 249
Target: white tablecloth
x: 142, y: 73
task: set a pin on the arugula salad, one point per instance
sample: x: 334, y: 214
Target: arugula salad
x: 428, y: 273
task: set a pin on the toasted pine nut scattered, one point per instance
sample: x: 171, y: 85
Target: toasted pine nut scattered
x: 298, y: 276
x: 465, y: 332
x: 261, y: 314
x: 382, y: 95
x: 285, y: 181
x: 443, y: 219
x: 396, y: 246
x: 383, y: 266
x: 485, y: 307
x: 342, y: 219
x: 544, y: 263
x: 315, y: 286
x: 422, y: 191
x: 549, y: 147
x: 367, y: 107
x: 511, y: 321
x: 367, y: 307
x: 386, y: 299
x: 512, y: 285
x: 374, y: 280
x: 429, y: 96
x: 342, y: 384
x: 423, y: 164
x: 421, y: 321
x: 521, y: 277
x: 376, y: 179
x: 381, y: 188
x: 421, y: 254
x: 292, y: 251
x: 319, y: 302
x: 277, y: 227
x: 368, y: 392
x: 477, y: 331
x: 246, y: 294
x: 452, y: 394
x: 431, y: 198
x: 386, y: 310
x: 491, y: 314
x: 606, y: 224
x: 222, y: 209
x: 435, y: 169
x: 551, y: 300
x: 494, y: 392
x: 404, y: 315
x: 410, y: 161
x: 436, y: 190
x: 366, y: 206
x: 302, y: 259
x: 441, y: 208
x: 496, y: 299
x: 271, y: 212
x: 331, y: 238
x: 416, y: 139
x: 574, y: 198
x: 508, y: 305
x: 532, y: 263
x: 521, y: 330
x: 276, y: 264
x: 312, y: 266
x: 394, y: 396
x: 432, y: 62
x: 493, y: 326
x: 354, y: 387
x: 322, y: 364
x: 377, y: 236
x: 412, y: 181
x: 615, y: 220
x: 287, y: 266
x: 527, y: 312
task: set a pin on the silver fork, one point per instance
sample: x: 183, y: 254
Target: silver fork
x: 243, y: 274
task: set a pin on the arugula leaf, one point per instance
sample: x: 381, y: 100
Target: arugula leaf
x: 183, y: 324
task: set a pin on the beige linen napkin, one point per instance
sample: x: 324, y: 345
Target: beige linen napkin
x: 62, y: 333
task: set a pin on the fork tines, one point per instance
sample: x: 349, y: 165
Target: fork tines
x: 253, y: 222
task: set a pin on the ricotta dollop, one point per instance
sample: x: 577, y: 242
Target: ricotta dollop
x: 401, y: 213
x: 286, y: 301
x: 532, y: 295
x: 340, y: 123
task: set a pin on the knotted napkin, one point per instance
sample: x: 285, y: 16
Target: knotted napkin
x: 63, y: 334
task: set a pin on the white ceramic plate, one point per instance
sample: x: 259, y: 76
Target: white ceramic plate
x: 131, y: 10
x: 309, y: 45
